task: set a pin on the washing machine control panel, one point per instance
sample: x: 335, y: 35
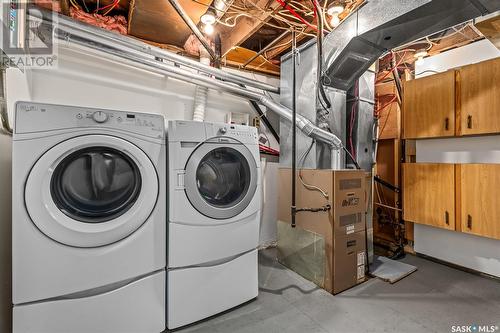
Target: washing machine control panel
x: 53, y: 117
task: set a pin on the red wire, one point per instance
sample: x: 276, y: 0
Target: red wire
x: 393, y: 68
x: 294, y: 13
x: 377, y: 112
x: 115, y: 3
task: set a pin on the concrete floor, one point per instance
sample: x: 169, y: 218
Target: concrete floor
x: 430, y: 300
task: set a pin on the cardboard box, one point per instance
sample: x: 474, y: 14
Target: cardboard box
x: 327, y: 248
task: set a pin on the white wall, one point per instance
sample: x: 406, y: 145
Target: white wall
x: 465, y: 55
x: 478, y: 253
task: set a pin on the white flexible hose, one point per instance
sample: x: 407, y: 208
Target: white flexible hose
x: 201, y: 93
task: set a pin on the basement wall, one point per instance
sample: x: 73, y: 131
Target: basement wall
x: 474, y: 252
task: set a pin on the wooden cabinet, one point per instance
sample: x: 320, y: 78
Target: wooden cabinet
x: 429, y: 106
x: 479, y: 93
x: 429, y: 194
x: 479, y: 199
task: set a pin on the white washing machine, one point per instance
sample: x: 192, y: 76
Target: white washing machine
x: 214, y: 214
x: 89, y: 220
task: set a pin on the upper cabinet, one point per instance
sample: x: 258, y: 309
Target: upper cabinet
x: 465, y: 101
x: 480, y: 98
x: 429, y: 106
x: 479, y: 202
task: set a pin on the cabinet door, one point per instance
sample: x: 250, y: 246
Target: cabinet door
x: 480, y: 98
x: 429, y: 194
x: 480, y: 200
x: 429, y: 106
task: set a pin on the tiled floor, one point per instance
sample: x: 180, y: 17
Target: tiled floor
x: 430, y: 300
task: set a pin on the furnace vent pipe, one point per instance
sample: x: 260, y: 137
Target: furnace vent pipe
x: 306, y: 126
x: 114, y: 40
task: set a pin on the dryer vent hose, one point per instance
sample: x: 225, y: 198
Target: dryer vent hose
x: 201, y: 93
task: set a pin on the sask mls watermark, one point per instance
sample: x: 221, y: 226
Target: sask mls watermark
x: 475, y: 328
x: 26, y: 41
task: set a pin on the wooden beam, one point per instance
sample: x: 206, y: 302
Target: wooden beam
x: 239, y: 55
x: 246, y: 26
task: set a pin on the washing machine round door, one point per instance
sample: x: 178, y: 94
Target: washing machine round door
x: 221, y: 178
x: 91, y: 190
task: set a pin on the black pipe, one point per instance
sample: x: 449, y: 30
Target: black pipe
x: 294, y: 130
x: 387, y: 184
x: 256, y: 107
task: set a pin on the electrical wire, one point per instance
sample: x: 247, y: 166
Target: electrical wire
x: 301, y: 164
x: 294, y: 13
x: 85, y: 5
x: 116, y: 3
x: 389, y: 207
x: 74, y: 4
x: 352, y: 158
x: 393, y: 68
x: 388, y: 115
x: 235, y: 10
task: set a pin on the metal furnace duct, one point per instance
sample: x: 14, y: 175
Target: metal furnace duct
x: 350, y: 50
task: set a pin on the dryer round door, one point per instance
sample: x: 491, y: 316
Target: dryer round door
x: 221, y: 178
x: 91, y: 190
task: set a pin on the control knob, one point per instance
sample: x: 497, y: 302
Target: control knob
x: 99, y: 116
x: 223, y: 130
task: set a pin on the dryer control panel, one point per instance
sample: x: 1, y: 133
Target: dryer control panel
x: 36, y: 117
x: 239, y: 132
x: 195, y: 131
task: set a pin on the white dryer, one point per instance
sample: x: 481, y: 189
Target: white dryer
x: 214, y: 214
x: 88, y: 225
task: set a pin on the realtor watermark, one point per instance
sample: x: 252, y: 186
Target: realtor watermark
x: 26, y: 38
x: 475, y: 328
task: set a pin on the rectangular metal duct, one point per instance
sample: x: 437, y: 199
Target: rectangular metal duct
x: 381, y: 25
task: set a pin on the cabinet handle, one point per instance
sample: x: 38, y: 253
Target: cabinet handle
x: 447, y: 124
x: 469, y: 121
x: 447, y: 217
x: 469, y: 221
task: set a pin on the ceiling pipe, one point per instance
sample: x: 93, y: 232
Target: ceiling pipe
x: 306, y: 126
x: 182, y: 13
x: 117, y: 41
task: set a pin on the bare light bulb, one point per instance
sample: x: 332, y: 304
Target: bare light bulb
x: 209, y: 29
x: 335, y: 21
